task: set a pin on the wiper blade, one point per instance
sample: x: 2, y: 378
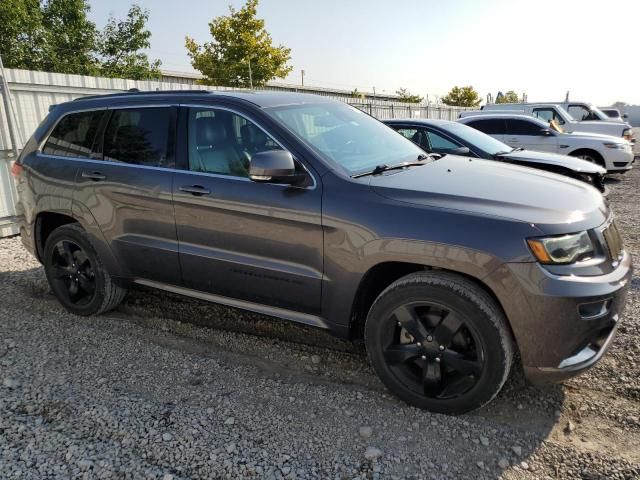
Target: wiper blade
x: 517, y: 149
x: 385, y: 168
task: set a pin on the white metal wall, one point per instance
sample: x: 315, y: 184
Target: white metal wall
x: 33, y: 92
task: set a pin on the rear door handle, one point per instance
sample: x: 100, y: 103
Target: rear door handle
x: 197, y: 190
x: 93, y: 176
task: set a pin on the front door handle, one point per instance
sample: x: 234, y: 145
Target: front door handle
x: 93, y: 176
x: 197, y: 190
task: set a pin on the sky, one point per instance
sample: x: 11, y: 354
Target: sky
x: 542, y: 47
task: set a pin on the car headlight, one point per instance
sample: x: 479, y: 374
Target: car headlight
x: 562, y: 249
x: 617, y: 146
x: 627, y: 134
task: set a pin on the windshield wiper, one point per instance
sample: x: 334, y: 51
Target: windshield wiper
x: 517, y: 149
x: 385, y: 168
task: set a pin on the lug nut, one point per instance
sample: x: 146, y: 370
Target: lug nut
x: 441, y: 347
x: 429, y: 338
x: 424, y: 357
x: 419, y: 344
x: 438, y: 359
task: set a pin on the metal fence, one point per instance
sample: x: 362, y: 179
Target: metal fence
x: 32, y: 93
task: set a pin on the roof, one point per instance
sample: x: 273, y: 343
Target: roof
x: 420, y: 121
x: 262, y: 98
x: 500, y: 115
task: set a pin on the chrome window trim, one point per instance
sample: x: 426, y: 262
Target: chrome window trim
x: 257, y: 124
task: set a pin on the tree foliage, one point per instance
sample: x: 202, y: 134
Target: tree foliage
x: 408, y: 97
x: 57, y: 36
x: 121, y: 44
x: 509, y: 97
x: 462, y: 97
x: 241, y: 51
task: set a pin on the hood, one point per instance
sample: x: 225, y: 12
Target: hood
x: 553, y: 203
x: 599, y: 123
x: 545, y: 158
x: 601, y: 137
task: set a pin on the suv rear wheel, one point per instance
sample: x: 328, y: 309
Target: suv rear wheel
x: 439, y: 342
x: 76, y: 274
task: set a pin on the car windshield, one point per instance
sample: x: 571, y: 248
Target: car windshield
x: 346, y: 136
x: 596, y: 112
x: 478, y: 139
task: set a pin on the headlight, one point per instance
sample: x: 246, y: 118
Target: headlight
x: 627, y: 134
x: 563, y: 249
x: 617, y: 146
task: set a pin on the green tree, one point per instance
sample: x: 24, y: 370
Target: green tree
x: 121, y: 44
x: 462, y: 97
x: 509, y: 97
x: 408, y: 97
x: 22, y: 35
x: 241, y: 52
x: 70, y: 42
x: 356, y: 94
x: 57, y: 36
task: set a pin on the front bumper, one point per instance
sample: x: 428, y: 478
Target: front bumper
x: 563, y: 325
x: 618, y: 161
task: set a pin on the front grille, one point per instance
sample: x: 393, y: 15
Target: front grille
x: 613, y: 239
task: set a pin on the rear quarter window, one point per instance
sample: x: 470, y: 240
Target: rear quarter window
x: 74, y: 134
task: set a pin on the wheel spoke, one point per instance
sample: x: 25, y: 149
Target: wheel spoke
x: 408, y: 319
x: 460, y: 363
x: 396, y: 354
x: 66, y: 252
x: 60, y: 272
x: 73, y: 289
x: 447, y: 328
x: 86, y: 284
x: 432, y: 378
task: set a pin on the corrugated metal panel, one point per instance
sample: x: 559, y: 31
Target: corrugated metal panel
x: 33, y: 93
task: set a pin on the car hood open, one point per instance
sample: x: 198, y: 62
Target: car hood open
x: 554, y: 203
x: 572, y: 163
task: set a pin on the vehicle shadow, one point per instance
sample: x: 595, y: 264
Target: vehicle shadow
x: 527, y: 414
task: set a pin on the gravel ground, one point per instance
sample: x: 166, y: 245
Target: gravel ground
x: 171, y: 388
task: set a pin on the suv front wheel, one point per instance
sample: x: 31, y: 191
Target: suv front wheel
x: 439, y: 342
x: 76, y: 274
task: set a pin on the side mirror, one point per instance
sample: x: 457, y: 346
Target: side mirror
x: 625, y: 116
x: 459, y: 151
x: 545, y: 132
x: 274, y: 166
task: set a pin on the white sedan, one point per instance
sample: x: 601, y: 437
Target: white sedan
x: 522, y: 131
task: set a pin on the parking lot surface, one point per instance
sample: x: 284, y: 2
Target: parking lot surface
x: 168, y: 387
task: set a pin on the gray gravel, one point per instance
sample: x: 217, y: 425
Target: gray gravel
x: 171, y: 388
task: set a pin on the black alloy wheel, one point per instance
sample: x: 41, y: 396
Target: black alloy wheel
x: 73, y: 277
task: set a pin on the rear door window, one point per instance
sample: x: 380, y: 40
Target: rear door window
x: 490, y: 126
x: 73, y: 136
x: 139, y: 136
x: 522, y: 127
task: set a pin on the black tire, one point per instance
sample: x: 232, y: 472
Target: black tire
x: 70, y: 258
x: 481, y: 348
x: 590, y: 156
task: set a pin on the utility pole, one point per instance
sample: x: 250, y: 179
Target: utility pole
x: 8, y: 109
x: 302, y: 72
x: 250, y: 77
x: 374, y: 93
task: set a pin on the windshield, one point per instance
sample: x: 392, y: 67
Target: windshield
x: 478, y: 139
x: 346, y: 136
x: 598, y: 113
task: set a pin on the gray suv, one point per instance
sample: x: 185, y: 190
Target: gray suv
x: 307, y: 209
